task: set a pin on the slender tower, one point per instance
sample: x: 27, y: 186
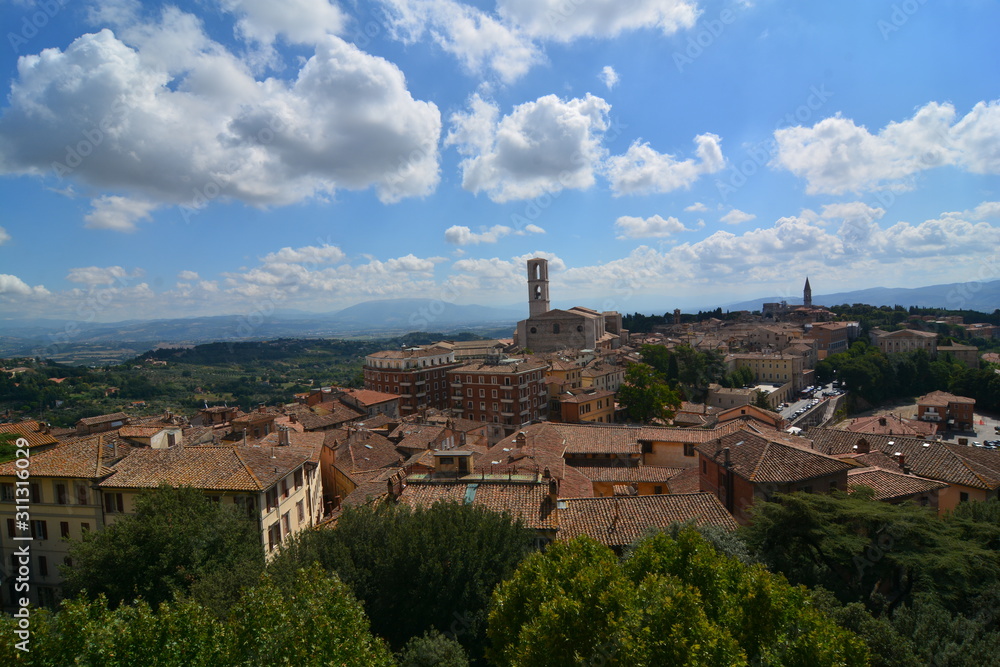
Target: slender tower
x: 807, y: 295
x: 538, y: 287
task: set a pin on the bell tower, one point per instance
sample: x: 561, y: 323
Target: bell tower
x: 538, y: 286
x: 807, y: 295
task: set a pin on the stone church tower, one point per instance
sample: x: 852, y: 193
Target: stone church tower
x: 807, y: 295
x: 538, y: 287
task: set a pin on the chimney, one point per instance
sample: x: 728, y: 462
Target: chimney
x: 521, y: 440
x: 725, y: 457
x: 283, y: 436
x: 902, y: 460
x: 863, y: 447
x: 881, y: 421
x: 553, y: 490
x: 292, y: 419
x: 261, y: 409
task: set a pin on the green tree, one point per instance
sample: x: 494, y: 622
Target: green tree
x: 313, y: 621
x: 420, y: 569
x: 646, y: 397
x: 673, y: 600
x: 177, y: 542
x: 432, y: 650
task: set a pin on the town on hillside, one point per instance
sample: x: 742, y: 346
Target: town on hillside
x: 575, y: 425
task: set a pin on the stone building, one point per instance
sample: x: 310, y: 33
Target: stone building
x: 548, y: 330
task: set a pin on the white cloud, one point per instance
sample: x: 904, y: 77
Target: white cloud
x: 480, y: 42
x: 630, y: 227
x: 988, y: 209
x: 118, y: 213
x: 299, y: 21
x: 641, y: 170
x: 534, y: 229
x: 736, y: 217
x: 461, y: 235
x: 542, y: 146
x: 608, y: 76
x: 188, y: 275
x: 4, y: 236
x: 165, y: 115
x: 564, y: 21
x: 95, y: 275
x: 12, y: 285
x: 697, y: 206
x: 836, y: 155
x: 324, y: 254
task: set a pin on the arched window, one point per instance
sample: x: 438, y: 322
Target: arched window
x: 538, y: 271
x: 538, y: 292
x: 555, y: 328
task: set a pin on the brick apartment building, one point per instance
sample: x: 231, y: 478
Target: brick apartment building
x: 504, y: 393
x: 418, y: 375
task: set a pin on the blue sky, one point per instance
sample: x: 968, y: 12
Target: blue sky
x: 240, y: 156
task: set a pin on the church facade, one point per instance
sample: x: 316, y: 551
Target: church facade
x: 548, y: 330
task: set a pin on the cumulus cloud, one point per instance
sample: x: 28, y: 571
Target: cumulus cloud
x: 461, y: 235
x: 14, y: 286
x: 836, y: 155
x: 188, y: 275
x: 988, y: 209
x: 608, y: 76
x: 564, y: 21
x: 630, y: 227
x: 642, y: 170
x: 324, y: 254
x: 95, y: 275
x: 480, y: 42
x: 697, y: 206
x: 541, y: 147
x: 118, y: 213
x: 736, y: 217
x: 534, y: 229
x: 166, y: 116
x: 298, y: 21
x: 4, y: 236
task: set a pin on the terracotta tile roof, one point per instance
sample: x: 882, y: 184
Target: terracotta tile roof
x: 459, y: 424
x: 417, y: 436
x: 76, y: 457
x: 364, y: 450
x: 103, y: 419
x: 306, y: 444
x: 891, y: 485
x: 210, y: 467
x: 620, y: 521
x: 378, y: 421
x: 772, y: 459
x: 368, y: 397
x: 543, y: 449
x: 140, y: 431
x: 891, y: 425
x: 521, y: 366
x: 371, y: 485
x: 956, y: 464
x: 529, y: 502
x: 688, y: 481
x: 627, y: 474
x: 30, y: 430
x: 687, y: 435
x: 599, y: 439
x: 942, y: 399
x: 337, y: 414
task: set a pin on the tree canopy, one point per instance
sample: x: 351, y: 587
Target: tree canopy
x: 673, y: 600
x: 646, y: 396
x: 314, y: 620
x: 415, y: 570
x: 176, y: 542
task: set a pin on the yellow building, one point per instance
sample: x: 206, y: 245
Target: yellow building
x: 86, y: 484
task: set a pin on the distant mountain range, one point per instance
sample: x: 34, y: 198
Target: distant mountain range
x: 396, y: 316
x: 974, y: 295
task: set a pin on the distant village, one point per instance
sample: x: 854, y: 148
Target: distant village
x: 529, y: 425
